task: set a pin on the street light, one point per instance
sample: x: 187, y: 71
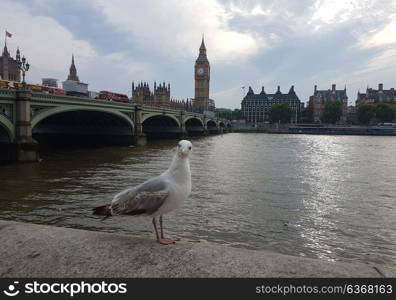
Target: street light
x: 24, y: 66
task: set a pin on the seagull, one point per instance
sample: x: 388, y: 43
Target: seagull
x: 156, y: 196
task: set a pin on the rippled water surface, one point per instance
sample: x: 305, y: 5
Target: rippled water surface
x: 332, y: 197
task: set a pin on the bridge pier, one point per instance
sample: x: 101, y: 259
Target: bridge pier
x: 140, y: 138
x: 26, y: 146
x: 183, y: 130
x: 205, y: 125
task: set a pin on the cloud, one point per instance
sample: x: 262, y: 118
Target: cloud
x: 175, y: 27
x: 382, y: 37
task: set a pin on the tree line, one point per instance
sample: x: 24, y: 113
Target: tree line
x: 366, y: 113
x: 369, y: 113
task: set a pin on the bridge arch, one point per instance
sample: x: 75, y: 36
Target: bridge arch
x: 7, y: 130
x: 82, y: 126
x: 161, y: 126
x: 193, y: 117
x: 151, y: 115
x: 52, y: 111
x: 194, y: 126
x: 212, y: 126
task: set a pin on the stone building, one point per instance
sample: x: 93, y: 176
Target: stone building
x: 9, y: 67
x: 373, y: 96
x: 319, y: 99
x: 255, y: 107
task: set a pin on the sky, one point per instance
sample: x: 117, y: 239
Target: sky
x: 249, y: 43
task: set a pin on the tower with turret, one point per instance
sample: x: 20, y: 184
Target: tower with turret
x: 9, y: 66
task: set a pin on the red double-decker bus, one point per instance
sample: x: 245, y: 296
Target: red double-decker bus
x: 111, y: 96
x: 54, y: 90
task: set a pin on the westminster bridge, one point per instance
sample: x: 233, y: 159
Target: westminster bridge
x: 28, y: 119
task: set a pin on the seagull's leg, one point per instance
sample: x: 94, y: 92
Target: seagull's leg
x: 161, y: 240
x: 156, y: 230
x: 162, y: 228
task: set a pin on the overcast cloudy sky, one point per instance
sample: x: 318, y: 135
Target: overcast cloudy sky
x: 250, y: 42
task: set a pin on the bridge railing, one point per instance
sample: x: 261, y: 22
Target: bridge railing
x: 7, y: 93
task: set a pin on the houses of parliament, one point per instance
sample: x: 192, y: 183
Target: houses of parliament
x: 160, y: 96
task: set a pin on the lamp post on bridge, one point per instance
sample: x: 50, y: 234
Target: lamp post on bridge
x: 23, y: 66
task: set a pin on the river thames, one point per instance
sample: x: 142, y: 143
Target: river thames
x: 328, y: 197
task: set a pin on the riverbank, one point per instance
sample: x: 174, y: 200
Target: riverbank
x: 30, y: 250
x: 312, y: 129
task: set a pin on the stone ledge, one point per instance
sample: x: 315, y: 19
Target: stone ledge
x: 30, y: 250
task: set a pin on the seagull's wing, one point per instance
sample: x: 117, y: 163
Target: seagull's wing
x: 146, y: 198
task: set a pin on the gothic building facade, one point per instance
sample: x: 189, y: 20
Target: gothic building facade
x: 160, y: 96
x: 9, y: 66
x: 255, y: 107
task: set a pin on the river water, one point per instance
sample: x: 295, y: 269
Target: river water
x: 329, y: 197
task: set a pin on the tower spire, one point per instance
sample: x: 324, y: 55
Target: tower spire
x: 202, y: 44
x: 202, y: 52
x: 73, y: 71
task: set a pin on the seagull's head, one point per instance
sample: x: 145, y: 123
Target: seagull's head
x: 184, y: 148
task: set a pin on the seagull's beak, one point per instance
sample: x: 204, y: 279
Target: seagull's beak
x: 184, y: 152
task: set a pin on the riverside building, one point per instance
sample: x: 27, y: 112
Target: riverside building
x: 255, y: 107
x: 318, y: 100
x: 373, y: 96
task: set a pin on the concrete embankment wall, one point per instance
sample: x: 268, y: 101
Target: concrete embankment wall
x: 29, y: 250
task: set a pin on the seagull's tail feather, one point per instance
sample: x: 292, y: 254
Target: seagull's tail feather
x: 103, y: 210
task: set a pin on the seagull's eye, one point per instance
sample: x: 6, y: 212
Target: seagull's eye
x: 189, y: 148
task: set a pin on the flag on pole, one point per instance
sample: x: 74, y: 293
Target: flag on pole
x: 8, y: 34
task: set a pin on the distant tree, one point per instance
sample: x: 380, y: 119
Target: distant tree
x: 223, y: 114
x: 236, y: 114
x: 230, y: 115
x: 366, y: 112
x: 384, y: 113
x: 280, y: 113
x: 332, y: 112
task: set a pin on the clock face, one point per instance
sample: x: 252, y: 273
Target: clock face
x: 200, y: 71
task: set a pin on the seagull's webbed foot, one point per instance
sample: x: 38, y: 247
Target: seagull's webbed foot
x: 164, y: 241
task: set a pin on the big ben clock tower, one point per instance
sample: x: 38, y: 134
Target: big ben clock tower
x: 202, y: 77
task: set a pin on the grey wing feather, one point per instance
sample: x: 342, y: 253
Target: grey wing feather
x: 146, y: 198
